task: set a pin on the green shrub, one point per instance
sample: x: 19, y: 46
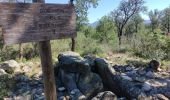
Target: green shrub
x: 4, y: 89
x: 151, y: 46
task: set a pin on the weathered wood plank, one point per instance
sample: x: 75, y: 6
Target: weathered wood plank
x: 48, y: 73
x: 23, y: 23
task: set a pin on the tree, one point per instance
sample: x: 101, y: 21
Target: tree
x: 82, y: 7
x: 133, y: 26
x: 165, y: 20
x: 104, y: 29
x: 154, y: 17
x: 124, y: 12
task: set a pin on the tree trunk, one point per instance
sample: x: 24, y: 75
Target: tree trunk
x: 20, y: 51
x: 73, y: 44
x: 120, y: 40
x: 120, y: 37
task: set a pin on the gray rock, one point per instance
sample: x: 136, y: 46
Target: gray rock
x: 90, y: 84
x: 142, y: 72
x: 150, y: 74
x: 139, y: 79
x: 27, y: 97
x: 72, y: 62
x: 61, y: 89
x: 107, y: 95
x: 90, y: 60
x: 122, y: 98
x: 113, y: 81
x: 2, y: 72
x: 129, y: 68
x: 125, y: 77
x: 146, y: 86
x: 9, y: 66
x: 68, y: 80
x: 77, y: 95
x: 159, y: 97
x: 154, y: 65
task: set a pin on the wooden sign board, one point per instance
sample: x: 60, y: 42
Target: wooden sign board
x: 23, y: 23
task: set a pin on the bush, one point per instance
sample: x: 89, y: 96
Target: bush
x: 87, y: 45
x: 151, y: 46
x: 4, y: 89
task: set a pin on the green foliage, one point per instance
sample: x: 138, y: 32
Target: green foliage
x: 82, y: 7
x: 87, y: 45
x: 165, y: 20
x: 3, y: 86
x: 155, y: 19
x: 152, y: 46
x: 105, y: 30
x: 134, y: 25
x: 9, y: 52
x: 125, y: 11
x: 167, y: 49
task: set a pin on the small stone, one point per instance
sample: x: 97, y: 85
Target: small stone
x: 146, y: 86
x: 126, y: 77
x: 61, y: 89
x: 68, y: 97
x: 62, y: 98
x: 107, y: 95
x: 73, y: 92
x: 122, y: 98
x: 129, y: 68
x: 139, y: 79
x: 82, y: 97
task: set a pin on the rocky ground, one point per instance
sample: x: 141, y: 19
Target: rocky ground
x: 86, y: 78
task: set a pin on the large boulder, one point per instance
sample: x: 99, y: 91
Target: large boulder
x: 90, y: 84
x: 73, y: 62
x: 74, y: 73
x: 121, y: 86
x: 68, y: 80
x: 9, y: 66
x: 107, y: 95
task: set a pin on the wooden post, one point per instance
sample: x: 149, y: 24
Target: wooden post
x: 21, y: 52
x: 72, y: 39
x: 73, y: 44
x: 48, y: 73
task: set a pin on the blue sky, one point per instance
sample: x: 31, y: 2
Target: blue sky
x: 106, y: 6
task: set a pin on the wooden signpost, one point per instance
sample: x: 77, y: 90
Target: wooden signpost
x: 38, y: 22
